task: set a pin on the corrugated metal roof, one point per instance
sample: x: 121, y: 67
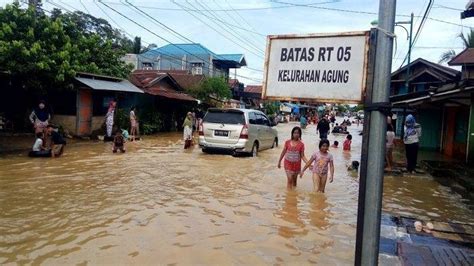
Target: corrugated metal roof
x: 464, y: 58
x: 104, y: 85
x: 169, y: 93
x: 253, y: 89
x: 195, y: 49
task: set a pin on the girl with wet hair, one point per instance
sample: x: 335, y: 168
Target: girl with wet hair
x: 293, y: 153
x: 323, y: 160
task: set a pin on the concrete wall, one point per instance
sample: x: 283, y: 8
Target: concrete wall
x: 97, y: 122
x: 68, y: 122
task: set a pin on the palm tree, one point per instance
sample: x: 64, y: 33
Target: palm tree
x: 468, y: 42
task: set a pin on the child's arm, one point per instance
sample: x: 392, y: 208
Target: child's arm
x: 281, y: 156
x: 307, y: 165
x: 305, y: 160
x: 331, y: 178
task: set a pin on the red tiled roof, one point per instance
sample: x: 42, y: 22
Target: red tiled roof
x: 253, y: 89
x: 464, y: 58
x: 168, y: 93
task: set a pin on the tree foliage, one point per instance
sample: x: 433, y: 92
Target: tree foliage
x: 215, y: 87
x: 45, y: 52
x: 468, y: 42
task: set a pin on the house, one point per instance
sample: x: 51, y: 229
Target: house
x: 192, y: 57
x: 82, y: 110
x: 445, y: 111
x: 237, y: 89
x: 252, y: 96
x: 170, y: 101
x: 425, y: 76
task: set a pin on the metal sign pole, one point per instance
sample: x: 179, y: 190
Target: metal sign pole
x: 373, y: 153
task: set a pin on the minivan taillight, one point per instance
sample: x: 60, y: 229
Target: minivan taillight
x: 244, y: 134
x: 201, y: 129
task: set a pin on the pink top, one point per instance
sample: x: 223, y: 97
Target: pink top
x: 293, y: 156
x: 347, y: 145
x: 321, y: 162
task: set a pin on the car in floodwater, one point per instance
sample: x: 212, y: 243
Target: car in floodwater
x: 240, y: 131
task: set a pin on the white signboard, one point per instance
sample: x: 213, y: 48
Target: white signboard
x: 316, y: 67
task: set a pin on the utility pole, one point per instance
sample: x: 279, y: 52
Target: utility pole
x: 409, y: 51
x: 373, y: 151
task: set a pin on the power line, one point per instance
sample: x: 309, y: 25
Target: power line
x: 159, y: 22
x: 447, y: 7
x: 235, y: 20
x: 237, y: 9
x: 138, y: 24
x: 169, y: 56
x: 116, y: 24
x: 58, y: 6
x: 186, y: 9
x: 85, y: 8
x: 170, y: 29
x: 243, y: 39
x: 420, y: 28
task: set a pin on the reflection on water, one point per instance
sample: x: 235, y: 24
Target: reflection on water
x: 158, y: 203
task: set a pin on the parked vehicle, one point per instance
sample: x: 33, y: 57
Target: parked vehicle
x: 237, y: 130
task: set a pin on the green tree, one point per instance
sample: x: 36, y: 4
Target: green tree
x: 43, y: 53
x: 215, y: 87
x: 468, y: 42
x: 137, y: 45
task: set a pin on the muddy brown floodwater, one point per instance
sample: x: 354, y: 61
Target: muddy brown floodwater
x: 158, y: 204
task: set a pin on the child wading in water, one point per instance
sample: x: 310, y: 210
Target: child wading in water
x: 347, y: 143
x: 293, y: 152
x: 322, y: 160
x: 119, y: 142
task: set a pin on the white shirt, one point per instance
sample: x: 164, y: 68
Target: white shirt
x: 390, y: 139
x: 38, y: 144
x: 413, y: 138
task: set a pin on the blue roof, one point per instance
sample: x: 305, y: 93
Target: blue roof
x: 179, y: 49
x: 195, y: 49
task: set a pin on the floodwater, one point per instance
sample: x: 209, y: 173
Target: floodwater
x: 158, y: 204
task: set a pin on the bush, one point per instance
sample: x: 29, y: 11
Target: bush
x: 122, y: 118
x: 151, y: 121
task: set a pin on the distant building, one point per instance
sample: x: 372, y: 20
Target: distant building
x: 131, y: 59
x: 193, y: 58
x: 252, y: 96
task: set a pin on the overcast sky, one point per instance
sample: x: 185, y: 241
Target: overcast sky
x: 240, y: 25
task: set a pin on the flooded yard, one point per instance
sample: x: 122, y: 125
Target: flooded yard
x: 159, y: 204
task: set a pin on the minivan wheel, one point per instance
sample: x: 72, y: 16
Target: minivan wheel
x: 275, y: 143
x: 255, y: 150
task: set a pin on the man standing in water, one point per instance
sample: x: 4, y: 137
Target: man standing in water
x: 323, y: 128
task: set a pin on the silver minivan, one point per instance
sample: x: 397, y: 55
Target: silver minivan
x: 237, y: 130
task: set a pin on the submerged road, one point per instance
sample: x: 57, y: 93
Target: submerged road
x: 159, y: 204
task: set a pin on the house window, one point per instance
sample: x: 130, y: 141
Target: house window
x: 147, y: 66
x: 197, y: 68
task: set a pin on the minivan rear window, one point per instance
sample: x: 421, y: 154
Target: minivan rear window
x: 225, y: 118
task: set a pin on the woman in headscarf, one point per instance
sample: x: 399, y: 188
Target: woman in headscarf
x: 411, y: 139
x: 40, y: 117
x: 188, y: 130
x: 109, y: 117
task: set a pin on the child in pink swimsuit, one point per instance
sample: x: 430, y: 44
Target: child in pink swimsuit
x: 293, y: 152
x: 322, y: 160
